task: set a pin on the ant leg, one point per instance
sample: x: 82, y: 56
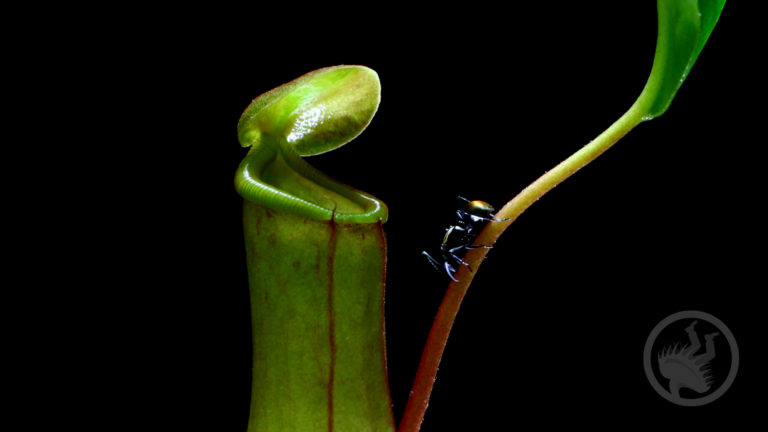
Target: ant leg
x: 450, y: 270
x: 710, y: 353
x: 492, y: 219
x: 438, y: 265
x: 479, y: 246
x: 435, y: 263
x: 453, y: 251
x: 475, y: 218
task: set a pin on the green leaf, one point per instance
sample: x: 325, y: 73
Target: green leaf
x: 683, y: 29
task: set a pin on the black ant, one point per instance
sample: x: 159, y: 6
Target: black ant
x: 473, y: 215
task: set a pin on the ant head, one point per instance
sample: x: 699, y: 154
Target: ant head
x: 479, y: 208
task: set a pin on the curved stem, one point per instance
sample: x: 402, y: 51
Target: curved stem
x: 446, y: 314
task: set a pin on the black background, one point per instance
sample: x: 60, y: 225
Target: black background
x: 476, y: 101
